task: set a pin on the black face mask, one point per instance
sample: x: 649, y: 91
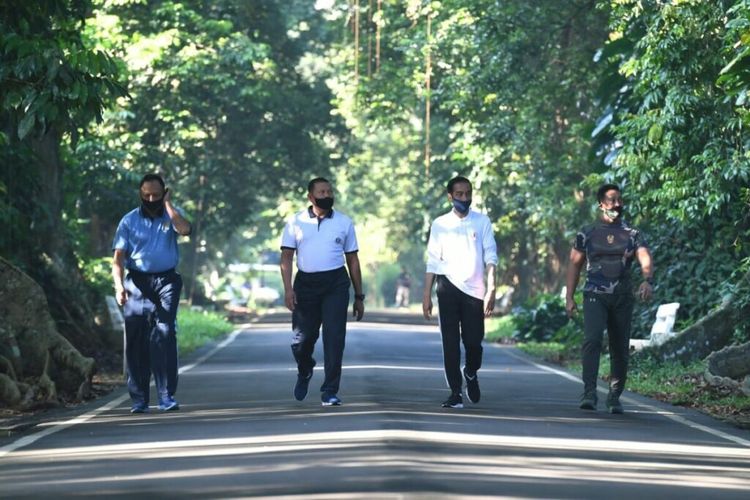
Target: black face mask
x: 324, y: 203
x: 153, y: 206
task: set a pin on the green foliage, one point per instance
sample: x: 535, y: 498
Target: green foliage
x: 98, y: 274
x: 498, y: 329
x: 540, y: 318
x: 196, y: 328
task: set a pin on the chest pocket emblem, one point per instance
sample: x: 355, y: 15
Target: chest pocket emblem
x: 165, y: 227
x: 338, y: 240
x: 610, y: 238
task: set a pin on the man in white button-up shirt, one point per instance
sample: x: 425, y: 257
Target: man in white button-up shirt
x: 460, y: 251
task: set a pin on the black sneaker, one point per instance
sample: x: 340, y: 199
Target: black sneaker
x: 454, y: 401
x: 300, y: 388
x: 613, y: 403
x: 588, y: 400
x: 472, y: 387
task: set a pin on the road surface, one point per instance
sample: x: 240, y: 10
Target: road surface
x: 240, y: 433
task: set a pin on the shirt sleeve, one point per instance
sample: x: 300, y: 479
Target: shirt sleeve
x: 350, y: 244
x: 288, y: 237
x: 434, y: 252
x: 579, y: 243
x: 122, y: 237
x: 639, y: 240
x: 488, y: 243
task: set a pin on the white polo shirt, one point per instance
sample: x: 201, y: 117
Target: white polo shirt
x: 460, y: 249
x: 320, y: 243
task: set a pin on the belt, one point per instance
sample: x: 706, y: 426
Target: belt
x: 135, y: 272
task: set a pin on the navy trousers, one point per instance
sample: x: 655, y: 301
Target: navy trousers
x: 461, y: 319
x: 150, y: 332
x: 322, y: 299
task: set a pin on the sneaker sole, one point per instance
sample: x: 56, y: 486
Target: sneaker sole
x: 330, y: 404
x: 458, y: 406
x: 616, y: 411
x: 173, y: 407
x: 587, y: 406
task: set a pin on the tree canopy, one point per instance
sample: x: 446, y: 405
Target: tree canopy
x: 239, y: 103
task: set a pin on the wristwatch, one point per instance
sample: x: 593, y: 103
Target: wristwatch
x: 359, y: 296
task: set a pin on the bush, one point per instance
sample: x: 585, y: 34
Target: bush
x: 539, y: 319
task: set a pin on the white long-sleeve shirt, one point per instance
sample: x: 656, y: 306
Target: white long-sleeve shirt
x: 460, y: 249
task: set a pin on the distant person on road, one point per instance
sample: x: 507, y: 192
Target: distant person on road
x: 324, y: 240
x: 148, y: 288
x: 460, y: 252
x: 607, y: 248
x: 403, y: 286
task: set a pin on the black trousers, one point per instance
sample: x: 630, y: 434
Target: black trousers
x: 461, y: 319
x: 322, y: 299
x: 150, y: 332
x: 613, y: 312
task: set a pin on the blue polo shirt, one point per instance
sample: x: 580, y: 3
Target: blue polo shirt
x: 150, y: 244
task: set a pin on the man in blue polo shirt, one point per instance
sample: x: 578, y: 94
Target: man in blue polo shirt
x: 323, y: 240
x: 145, y: 246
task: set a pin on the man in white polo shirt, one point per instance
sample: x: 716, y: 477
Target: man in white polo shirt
x: 461, y: 249
x: 323, y: 240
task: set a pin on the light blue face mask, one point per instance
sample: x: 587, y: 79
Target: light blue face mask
x: 461, y: 207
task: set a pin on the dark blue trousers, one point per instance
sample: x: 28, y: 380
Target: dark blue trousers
x: 461, y: 320
x: 322, y: 299
x: 150, y: 332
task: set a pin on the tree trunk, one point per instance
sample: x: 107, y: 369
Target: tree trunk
x: 37, y: 362
x: 53, y: 264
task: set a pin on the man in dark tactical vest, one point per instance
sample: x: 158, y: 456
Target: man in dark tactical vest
x: 607, y: 248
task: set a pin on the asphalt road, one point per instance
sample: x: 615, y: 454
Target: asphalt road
x: 241, y: 434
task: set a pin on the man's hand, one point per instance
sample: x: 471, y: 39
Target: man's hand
x: 570, y: 306
x: 290, y: 299
x: 121, y: 295
x: 427, y: 306
x: 645, y: 291
x: 358, y: 309
x: 489, y: 303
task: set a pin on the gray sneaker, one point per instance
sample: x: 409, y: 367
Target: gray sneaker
x: 613, y: 403
x: 588, y: 400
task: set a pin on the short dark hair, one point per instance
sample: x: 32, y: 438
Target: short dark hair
x: 602, y: 191
x: 457, y: 180
x: 150, y: 178
x: 317, y: 180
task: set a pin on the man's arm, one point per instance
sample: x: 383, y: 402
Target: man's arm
x: 489, y: 298
x: 180, y: 223
x: 429, y: 279
x: 644, y: 259
x: 577, y: 259
x: 287, y: 261
x: 355, y: 273
x: 118, y: 275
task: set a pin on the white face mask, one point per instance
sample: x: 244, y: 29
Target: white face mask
x: 612, y: 213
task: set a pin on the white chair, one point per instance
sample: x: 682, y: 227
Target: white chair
x: 661, y: 330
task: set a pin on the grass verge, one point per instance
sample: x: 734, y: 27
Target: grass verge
x: 195, y: 328
x: 670, y: 382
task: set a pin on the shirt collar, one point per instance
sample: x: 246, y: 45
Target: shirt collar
x: 312, y: 215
